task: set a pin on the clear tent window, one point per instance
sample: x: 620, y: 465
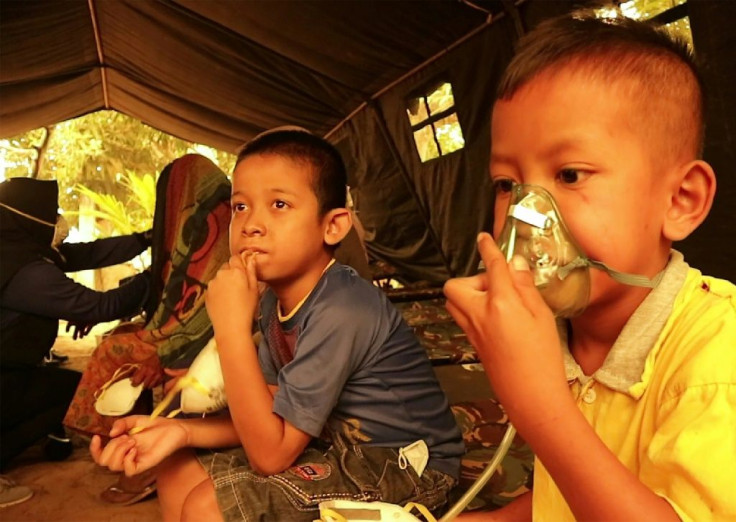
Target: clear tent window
x: 434, y: 122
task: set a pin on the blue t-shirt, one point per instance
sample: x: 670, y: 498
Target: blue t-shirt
x: 346, y: 360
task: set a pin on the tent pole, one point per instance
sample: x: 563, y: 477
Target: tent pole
x: 100, y: 57
x: 407, y: 179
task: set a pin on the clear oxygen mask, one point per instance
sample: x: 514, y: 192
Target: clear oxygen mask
x: 534, y: 229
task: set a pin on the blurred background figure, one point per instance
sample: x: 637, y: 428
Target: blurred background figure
x: 35, y: 293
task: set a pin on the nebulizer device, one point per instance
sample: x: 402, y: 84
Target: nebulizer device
x: 535, y: 231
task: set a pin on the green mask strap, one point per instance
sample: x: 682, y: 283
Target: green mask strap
x: 621, y: 277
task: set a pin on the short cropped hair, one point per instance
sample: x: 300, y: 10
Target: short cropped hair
x: 329, y: 178
x: 661, y: 71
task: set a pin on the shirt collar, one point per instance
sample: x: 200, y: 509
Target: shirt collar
x: 292, y: 313
x: 624, y: 365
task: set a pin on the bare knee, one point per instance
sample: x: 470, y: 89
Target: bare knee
x: 201, y: 504
x: 176, y: 477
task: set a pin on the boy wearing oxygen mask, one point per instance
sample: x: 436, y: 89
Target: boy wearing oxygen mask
x: 628, y: 399
x: 339, y: 401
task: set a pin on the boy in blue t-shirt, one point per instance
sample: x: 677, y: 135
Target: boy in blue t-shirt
x: 338, y: 402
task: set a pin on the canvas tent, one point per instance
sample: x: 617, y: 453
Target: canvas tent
x: 220, y: 71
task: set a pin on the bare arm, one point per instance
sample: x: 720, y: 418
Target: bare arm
x: 138, y: 442
x: 271, y: 443
x: 588, y: 461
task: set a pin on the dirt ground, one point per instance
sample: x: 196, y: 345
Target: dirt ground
x: 69, y: 491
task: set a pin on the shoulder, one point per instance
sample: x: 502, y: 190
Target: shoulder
x: 699, y: 339
x: 704, y: 308
x: 342, y: 287
x: 345, y: 301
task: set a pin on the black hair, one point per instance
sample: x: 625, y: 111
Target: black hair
x: 329, y: 178
x: 613, y: 49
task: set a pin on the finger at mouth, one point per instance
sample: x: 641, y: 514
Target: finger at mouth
x: 245, y: 255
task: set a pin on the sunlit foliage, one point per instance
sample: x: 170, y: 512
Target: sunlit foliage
x: 646, y: 9
x: 106, y: 153
x: 435, y: 137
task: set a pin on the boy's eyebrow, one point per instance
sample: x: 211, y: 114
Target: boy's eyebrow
x: 564, y: 145
x: 501, y: 158
x: 276, y: 190
x: 282, y: 191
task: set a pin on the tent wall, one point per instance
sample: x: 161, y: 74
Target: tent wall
x: 424, y: 217
x: 426, y: 224
x: 219, y: 72
x: 216, y: 72
x: 712, y: 248
x: 455, y: 190
x: 47, y: 75
x: 396, y: 227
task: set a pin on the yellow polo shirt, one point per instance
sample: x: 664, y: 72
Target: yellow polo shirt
x: 664, y: 401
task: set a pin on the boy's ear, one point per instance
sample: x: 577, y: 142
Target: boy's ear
x: 337, y: 225
x: 690, y: 200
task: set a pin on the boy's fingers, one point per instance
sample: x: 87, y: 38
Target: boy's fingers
x: 462, y: 287
x: 523, y: 281
x: 238, y: 261
x: 95, y: 448
x: 497, y: 270
x: 250, y: 271
x: 121, y: 426
x: 113, y: 454
x: 125, y: 424
x: 129, y: 463
x: 457, y: 314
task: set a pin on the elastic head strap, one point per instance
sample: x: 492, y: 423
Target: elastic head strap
x: 122, y: 371
x: 621, y: 277
x: 628, y: 279
x: 33, y: 218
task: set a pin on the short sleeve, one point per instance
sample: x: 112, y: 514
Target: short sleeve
x: 336, y: 338
x: 266, y: 362
x: 691, y: 460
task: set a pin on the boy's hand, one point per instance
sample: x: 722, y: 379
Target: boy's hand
x: 134, y: 454
x: 232, y: 297
x: 514, y: 332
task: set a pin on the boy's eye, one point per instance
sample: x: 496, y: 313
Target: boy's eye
x: 502, y: 185
x: 239, y: 207
x: 280, y: 204
x: 569, y: 176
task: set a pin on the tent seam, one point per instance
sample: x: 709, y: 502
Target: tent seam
x: 100, y: 55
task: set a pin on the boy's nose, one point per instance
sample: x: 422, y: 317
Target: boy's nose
x: 253, y: 228
x: 253, y: 224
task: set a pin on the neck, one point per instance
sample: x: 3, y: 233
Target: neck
x: 292, y: 291
x: 593, y: 334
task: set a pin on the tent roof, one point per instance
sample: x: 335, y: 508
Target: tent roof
x: 216, y: 72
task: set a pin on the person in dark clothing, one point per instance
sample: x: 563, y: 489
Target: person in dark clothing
x: 35, y: 293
